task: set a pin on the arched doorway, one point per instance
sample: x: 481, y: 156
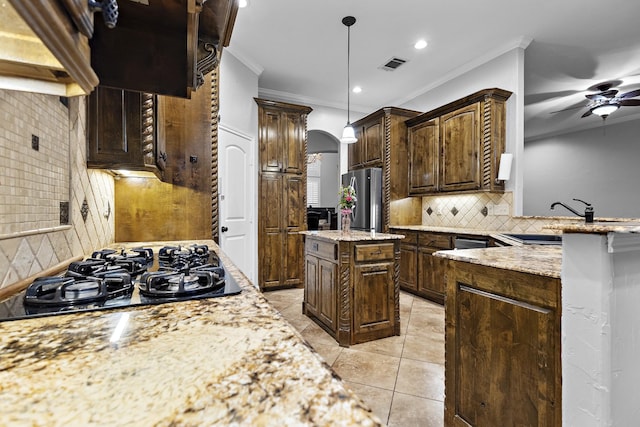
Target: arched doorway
x: 323, y: 176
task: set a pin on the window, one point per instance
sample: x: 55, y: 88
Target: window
x: 314, y: 165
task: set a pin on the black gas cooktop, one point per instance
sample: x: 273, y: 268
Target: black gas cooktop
x: 119, y: 278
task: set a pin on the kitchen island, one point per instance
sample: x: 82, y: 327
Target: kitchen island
x: 502, y: 336
x: 223, y: 361
x: 351, y: 284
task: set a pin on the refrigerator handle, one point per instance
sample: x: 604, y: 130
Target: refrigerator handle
x: 355, y: 187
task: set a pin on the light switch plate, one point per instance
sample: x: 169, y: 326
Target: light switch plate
x: 501, y: 209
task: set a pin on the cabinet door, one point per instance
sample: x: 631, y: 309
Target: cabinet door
x: 408, y: 267
x: 460, y: 144
x: 431, y: 281
x: 311, y: 285
x: 270, y: 141
x: 293, y: 219
x: 355, y: 150
x: 505, y: 364
x: 293, y: 143
x: 423, y: 157
x: 328, y: 299
x: 114, y: 129
x: 271, y: 241
x: 374, y: 291
x: 373, y: 143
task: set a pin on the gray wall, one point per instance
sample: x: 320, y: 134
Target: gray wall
x: 599, y: 165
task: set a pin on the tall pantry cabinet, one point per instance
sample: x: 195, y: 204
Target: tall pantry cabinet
x: 282, y: 193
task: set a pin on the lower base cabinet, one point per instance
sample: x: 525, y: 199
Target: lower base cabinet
x: 502, y: 344
x: 351, y: 288
x: 420, y: 272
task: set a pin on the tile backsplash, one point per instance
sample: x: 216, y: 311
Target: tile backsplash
x: 36, y: 184
x: 481, y: 211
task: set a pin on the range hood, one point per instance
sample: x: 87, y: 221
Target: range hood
x: 43, y: 56
x: 163, y: 47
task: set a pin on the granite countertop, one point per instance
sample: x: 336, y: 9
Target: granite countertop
x: 453, y: 230
x: 353, y: 236
x: 542, y: 260
x: 598, y: 227
x: 221, y: 361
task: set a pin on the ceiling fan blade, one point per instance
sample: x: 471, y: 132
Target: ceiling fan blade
x: 631, y: 94
x: 630, y: 102
x: 587, y: 114
x: 568, y: 109
x: 606, y: 94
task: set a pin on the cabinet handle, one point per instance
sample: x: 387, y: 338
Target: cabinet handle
x: 163, y: 156
x: 314, y: 246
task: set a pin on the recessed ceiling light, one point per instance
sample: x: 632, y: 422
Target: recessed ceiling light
x: 357, y: 89
x: 420, y: 44
x: 243, y: 3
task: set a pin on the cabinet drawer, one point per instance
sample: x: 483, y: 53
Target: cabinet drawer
x: 374, y: 252
x: 441, y: 241
x: 322, y: 249
x: 410, y: 237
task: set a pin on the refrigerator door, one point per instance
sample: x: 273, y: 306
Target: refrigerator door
x: 368, y: 208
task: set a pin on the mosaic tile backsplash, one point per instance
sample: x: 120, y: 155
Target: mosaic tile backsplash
x: 33, y: 236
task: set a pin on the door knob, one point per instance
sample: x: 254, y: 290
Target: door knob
x: 224, y: 229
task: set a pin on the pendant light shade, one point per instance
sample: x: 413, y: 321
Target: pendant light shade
x: 348, y: 134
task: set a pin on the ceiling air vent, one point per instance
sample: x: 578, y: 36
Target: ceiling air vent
x: 392, y: 64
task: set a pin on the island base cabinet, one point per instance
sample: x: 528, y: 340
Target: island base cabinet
x: 351, y: 288
x: 373, y: 315
x: 502, y: 348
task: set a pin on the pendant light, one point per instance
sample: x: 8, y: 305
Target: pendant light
x: 348, y: 134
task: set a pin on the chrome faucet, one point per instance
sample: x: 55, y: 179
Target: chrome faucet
x: 588, y: 210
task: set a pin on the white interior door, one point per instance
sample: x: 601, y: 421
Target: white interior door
x: 236, y: 187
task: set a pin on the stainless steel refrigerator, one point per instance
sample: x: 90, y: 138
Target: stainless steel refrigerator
x: 367, y: 213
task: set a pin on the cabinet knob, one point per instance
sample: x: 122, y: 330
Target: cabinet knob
x: 224, y: 229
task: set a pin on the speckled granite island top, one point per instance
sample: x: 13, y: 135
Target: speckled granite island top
x: 231, y: 361
x: 541, y: 260
x: 353, y: 236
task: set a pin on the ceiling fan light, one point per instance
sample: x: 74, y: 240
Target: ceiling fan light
x: 348, y: 134
x: 604, y: 110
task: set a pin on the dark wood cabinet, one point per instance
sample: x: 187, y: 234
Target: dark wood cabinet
x: 382, y: 142
x: 460, y: 149
x: 280, y: 136
x: 351, y: 287
x: 282, y: 193
x: 457, y: 147
x: 122, y: 131
x: 431, y: 282
x: 164, y: 47
x: 503, y: 347
x: 408, y: 274
x: 424, y: 146
x: 321, y: 284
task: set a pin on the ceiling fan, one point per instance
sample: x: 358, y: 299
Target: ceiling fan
x: 607, y: 100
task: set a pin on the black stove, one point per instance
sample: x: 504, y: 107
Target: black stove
x: 111, y: 278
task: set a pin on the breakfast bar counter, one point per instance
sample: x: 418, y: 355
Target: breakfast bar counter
x: 226, y: 361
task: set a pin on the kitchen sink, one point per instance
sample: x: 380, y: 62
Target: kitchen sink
x: 536, y: 239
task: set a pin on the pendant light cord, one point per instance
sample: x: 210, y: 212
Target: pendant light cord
x: 348, y: 74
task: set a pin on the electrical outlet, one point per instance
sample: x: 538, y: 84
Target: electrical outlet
x: 490, y: 208
x: 501, y: 209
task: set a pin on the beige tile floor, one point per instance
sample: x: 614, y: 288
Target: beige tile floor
x: 401, y: 378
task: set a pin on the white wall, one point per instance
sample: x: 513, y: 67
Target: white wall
x: 330, y: 172
x: 598, y: 165
x: 239, y: 113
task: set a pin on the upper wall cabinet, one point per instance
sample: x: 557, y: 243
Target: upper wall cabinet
x: 282, y: 134
x: 162, y: 46
x: 45, y: 47
x: 457, y: 147
x: 123, y: 131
